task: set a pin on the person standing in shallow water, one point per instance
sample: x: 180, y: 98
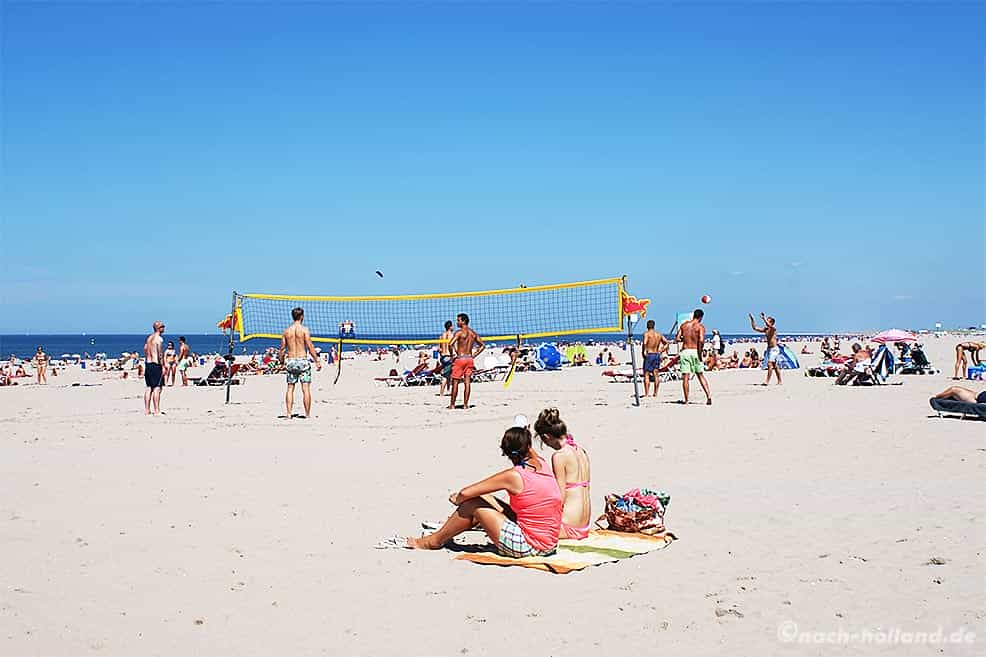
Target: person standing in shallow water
x: 296, y: 341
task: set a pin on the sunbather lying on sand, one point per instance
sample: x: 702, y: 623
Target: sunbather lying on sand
x: 530, y: 527
x: 570, y: 464
x: 958, y: 393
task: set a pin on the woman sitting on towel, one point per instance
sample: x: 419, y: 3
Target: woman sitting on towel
x: 529, y: 528
x: 571, y: 467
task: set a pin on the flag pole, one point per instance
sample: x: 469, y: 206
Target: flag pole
x: 229, y: 356
x: 633, y: 361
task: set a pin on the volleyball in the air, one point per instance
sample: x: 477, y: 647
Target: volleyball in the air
x: 706, y: 298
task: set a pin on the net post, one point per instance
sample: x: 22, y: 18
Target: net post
x: 339, y: 363
x: 513, y: 365
x: 633, y: 363
x: 230, y: 358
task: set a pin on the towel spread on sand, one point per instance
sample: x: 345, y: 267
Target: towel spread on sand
x: 602, y: 546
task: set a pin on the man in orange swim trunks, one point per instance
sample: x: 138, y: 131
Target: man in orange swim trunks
x: 462, y: 346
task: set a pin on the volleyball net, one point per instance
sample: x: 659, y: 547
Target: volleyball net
x: 525, y: 312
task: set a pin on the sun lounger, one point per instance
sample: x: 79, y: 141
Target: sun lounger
x: 667, y: 372
x: 622, y: 375
x: 419, y: 376
x: 496, y: 373
x: 955, y: 407
x: 916, y: 363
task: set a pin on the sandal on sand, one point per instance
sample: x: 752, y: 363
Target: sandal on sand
x: 393, y: 543
x: 433, y: 526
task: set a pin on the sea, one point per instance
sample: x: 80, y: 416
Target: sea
x: 113, y: 345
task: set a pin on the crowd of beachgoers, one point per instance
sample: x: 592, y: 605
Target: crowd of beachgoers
x: 719, y: 354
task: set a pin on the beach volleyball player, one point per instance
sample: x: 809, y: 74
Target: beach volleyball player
x: 297, y: 342
x: 654, y: 344
x: 462, y: 346
x: 691, y: 335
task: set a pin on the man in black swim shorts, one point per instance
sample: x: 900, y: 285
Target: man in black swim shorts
x: 153, y: 369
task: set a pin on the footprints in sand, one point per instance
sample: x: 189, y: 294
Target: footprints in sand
x: 723, y: 608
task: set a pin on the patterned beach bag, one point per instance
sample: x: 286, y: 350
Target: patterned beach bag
x: 643, y: 520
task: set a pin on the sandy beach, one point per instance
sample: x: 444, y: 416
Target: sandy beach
x: 222, y: 530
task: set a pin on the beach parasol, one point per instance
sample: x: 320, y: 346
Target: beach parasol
x: 894, y: 335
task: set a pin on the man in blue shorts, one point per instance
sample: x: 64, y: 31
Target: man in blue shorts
x: 653, y: 346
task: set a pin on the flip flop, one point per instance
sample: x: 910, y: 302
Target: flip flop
x: 392, y: 543
x: 433, y: 526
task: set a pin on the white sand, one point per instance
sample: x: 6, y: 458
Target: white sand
x: 806, y: 503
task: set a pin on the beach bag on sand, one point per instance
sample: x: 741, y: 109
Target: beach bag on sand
x: 636, y: 511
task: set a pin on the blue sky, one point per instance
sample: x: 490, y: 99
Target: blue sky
x: 820, y: 161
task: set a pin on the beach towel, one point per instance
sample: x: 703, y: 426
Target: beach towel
x: 602, y: 546
x: 959, y: 408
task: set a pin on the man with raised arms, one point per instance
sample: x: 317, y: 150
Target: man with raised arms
x: 154, y: 369
x: 691, y: 335
x: 654, y: 345
x: 462, y: 346
x: 297, y: 342
x: 773, y: 350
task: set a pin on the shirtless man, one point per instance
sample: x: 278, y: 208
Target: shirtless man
x: 154, y: 370
x: 773, y: 351
x: 960, y: 362
x: 959, y: 393
x: 653, y: 346
x: 41, y: 366
x: 691, y: 335
x: 445, y: 358
x: 861, y: 358
x: 461, y: 346
x: 184, y: 359
x: 297, y: 341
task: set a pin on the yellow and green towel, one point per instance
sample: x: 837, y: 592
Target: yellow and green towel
x: 601, y: 546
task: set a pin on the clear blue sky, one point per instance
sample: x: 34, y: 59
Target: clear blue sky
x: 823, y: 162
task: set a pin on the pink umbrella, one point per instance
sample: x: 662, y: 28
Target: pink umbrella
x: 894, y: 335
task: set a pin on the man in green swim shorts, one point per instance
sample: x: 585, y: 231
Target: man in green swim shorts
x: 297, y: 342
x: 691, y: 336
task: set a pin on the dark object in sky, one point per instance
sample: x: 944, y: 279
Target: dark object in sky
x: 379, y: 273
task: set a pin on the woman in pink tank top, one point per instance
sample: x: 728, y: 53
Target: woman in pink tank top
x: 570, y: 464
x: 529, y: 527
